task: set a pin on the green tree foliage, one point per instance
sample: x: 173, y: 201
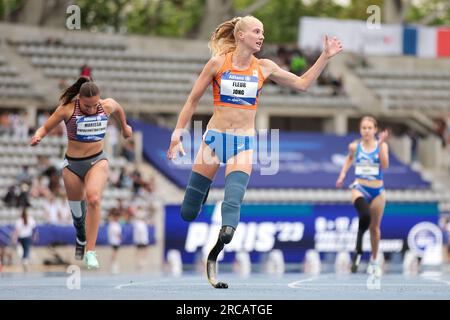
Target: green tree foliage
x: 159, y: 17
x: 281, y: 17
x: 182, y: 18
x: 8, y: 8
x: 426, y: 8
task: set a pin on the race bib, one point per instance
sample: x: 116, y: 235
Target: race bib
x: 91, y: 128
x: 367, y: 169
x: 238, y: 89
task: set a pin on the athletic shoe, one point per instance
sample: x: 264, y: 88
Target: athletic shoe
x: 90, y: 259
x: 374, y: 269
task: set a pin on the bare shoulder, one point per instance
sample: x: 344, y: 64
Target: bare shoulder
x: 108, y: 102
x: 109, y: 105
x: 218, y: 59
x: 268, y: 67
x: 65, y: 110
x: 216, y: 62
x: 267, y: 63
x: 352, y: 146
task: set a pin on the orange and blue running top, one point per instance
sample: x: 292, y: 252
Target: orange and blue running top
x: 238, y: 88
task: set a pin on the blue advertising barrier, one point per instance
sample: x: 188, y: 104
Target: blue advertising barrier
x: 295, y: 228
x: 304, y: 160
x: 65, y: 235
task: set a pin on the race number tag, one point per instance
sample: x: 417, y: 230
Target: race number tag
x: 91, y: 128
x: 367, y: 169
x: 238, y: 89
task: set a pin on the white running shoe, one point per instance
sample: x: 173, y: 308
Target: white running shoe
x: 90, y: 260
x: 374, y: 269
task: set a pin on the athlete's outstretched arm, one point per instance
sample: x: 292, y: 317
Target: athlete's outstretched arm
x: 384, y: 149
x: 384, y: 155
x: 49, y: 125
x: 302, y: 83
x: 347, y: 164
x: 203, y: 81
x: 119, y: 114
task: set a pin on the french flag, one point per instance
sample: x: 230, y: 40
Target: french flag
x: 443, y: 42
x: 426, y: 42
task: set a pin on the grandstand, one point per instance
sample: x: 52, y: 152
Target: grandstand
x: 425, y: 90
x: 12, y: 85
x: 152, y: 77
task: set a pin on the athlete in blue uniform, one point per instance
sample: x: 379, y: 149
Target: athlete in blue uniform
x: 370, y: 157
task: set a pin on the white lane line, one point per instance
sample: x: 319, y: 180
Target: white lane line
x: 306, y: 283
x: 325, y: 285
x: 167, y: 284
x: 438, y: 280
x: 181, y: 284
x: 434, y: 276
x: 120, y: 286
x: 296, y: 284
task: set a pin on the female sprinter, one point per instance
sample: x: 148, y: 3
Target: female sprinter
x: 237, y: 77
x: 85, y: 167
x: 371, y: 157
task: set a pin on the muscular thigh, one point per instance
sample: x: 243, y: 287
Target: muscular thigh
x: 97, y: 177
x: 206, y: 162
x: 243, y: 161
x: 73, y: 184
x: 377, y: 208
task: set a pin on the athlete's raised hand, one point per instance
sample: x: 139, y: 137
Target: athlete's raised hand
x: 383, y: 136
x: 35, y: 140
x: 175, y: 147
x: 332, y: 46
x: 127, y: 132
x: 340, y: 181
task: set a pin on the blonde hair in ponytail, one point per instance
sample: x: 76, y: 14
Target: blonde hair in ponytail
x: 223, y: 39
